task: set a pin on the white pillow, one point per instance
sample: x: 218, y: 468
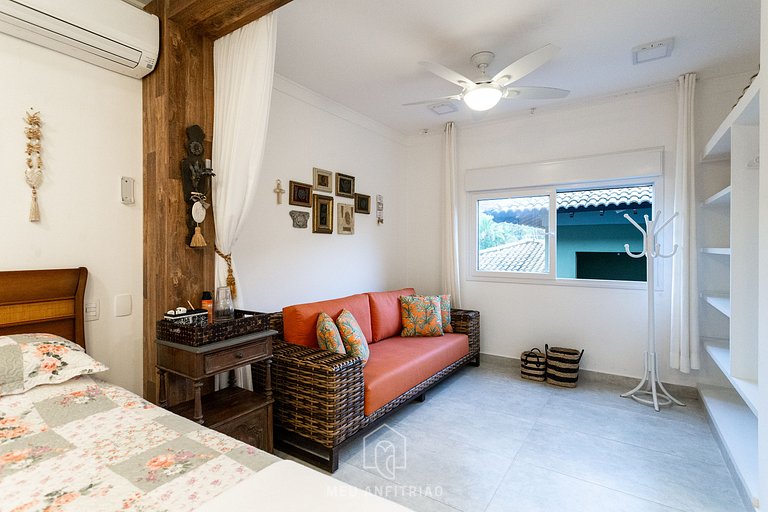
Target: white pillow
x: 29, y: 360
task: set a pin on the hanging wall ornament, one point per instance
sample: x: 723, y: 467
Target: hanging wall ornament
x: 196, y: 176
x: 198, y: 215
x: 34, y: 171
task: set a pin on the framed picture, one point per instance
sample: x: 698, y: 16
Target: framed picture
x: 322, y: 181
x: 362, y: 203
x: 346, y: 219
x: 299, y: 194
x: 322, y: 214
x: 345, y: 185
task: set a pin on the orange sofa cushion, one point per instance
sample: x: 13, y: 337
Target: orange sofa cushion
x: 385, y: 313
x: 399, y: 364
x: 300, y: 320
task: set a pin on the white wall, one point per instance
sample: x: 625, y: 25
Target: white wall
x: 279, y: 265
x: 608, y: 323
x: 91, y: 137
x: 762, y: 425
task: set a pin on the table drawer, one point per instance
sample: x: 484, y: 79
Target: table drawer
x: 234, y: 357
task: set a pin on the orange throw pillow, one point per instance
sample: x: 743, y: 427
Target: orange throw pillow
x: 328, y: 336
x: 421, y: 316
x: 352, y: 336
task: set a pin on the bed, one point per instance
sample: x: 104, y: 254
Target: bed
x: 72, y: 441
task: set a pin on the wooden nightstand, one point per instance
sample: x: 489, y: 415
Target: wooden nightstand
x: 242, y: 414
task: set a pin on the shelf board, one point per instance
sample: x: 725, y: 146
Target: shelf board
x: 223, y: 405
x: 722, y: 198
x: 721, y: 354
x: 720, y: 303
x: 746, y: 112
x: 736, y: 428
x: 723, y: 251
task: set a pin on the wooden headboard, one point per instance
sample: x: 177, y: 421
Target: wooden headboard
x: 44, y: 301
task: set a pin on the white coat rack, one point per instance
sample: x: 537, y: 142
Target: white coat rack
x: 651, y: 391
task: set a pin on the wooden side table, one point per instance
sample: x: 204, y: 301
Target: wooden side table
x: 242, y: 414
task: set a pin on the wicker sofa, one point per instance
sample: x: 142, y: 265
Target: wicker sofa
x: 324, y: 399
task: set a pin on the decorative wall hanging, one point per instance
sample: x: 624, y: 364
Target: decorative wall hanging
x: 322, y: 214
x: 379, y: 209
x: 346, y: 219
x: 362, y: 203
x: 299, y: 194
x: 34, y: 172
x: 322, y: 180
x: 345, y: 185
x: 279, y: 191
x: 195, y: 177
x: 299, y: 218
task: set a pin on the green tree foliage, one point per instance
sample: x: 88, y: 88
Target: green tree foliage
x: 492, y: 234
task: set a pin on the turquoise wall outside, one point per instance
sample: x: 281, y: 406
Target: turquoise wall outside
x: 595, y: 237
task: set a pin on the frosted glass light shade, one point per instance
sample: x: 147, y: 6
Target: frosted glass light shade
x: 483, y: 97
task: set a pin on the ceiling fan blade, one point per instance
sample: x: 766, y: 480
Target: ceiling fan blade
x: 447, y: 74
x: 525, y: 65
x: 434, y: 100
x: 535, y: 93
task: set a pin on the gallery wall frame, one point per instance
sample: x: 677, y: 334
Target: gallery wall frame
x: 346, y: 219
x: 322, y: 214
x: 362, y: 204
x: 299, y: 194
x: 345, y: 185
x: 322, y: 180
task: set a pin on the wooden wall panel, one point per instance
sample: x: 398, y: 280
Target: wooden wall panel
x: 177, y: 94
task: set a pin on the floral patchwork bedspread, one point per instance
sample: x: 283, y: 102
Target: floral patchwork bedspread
x: 87, y: 445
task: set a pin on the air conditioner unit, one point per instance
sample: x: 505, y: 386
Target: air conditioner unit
x: 108, y: 33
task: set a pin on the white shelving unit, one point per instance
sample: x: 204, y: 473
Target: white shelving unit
x: 736, y: 425
x: 731, y: 263
x: 722, y: 251
x: 722, y: 198
x: 722, y: 304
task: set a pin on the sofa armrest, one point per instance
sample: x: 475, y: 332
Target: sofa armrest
x: 275, y: 322
x: 467, y: 321
x: 319, y: 394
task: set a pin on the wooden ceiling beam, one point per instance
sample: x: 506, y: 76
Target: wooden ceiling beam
x: 178, y: 94
x: 215, y: 18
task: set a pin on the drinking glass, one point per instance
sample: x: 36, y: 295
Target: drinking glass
x: 223, y: 306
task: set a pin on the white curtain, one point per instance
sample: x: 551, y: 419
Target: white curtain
x: 450, y: 239
x: 243, y: 63
x: 684, y: 338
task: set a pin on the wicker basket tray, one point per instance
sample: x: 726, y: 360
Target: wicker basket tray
x: 203, y: 333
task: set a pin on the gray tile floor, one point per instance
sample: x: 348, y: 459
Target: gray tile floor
x: 486, y: 440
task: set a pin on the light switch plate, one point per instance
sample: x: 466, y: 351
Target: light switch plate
x: 123, y: 305
x: 92, y: 310
x: 126, y: 190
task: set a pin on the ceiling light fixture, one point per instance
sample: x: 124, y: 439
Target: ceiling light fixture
x: 653, y: 51
x: 483, y: 96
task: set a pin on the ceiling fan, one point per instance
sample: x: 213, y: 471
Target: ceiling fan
x: 486, y: 92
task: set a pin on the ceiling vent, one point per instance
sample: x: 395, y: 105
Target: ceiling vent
x: 653, y: 51
x: 443, y: 108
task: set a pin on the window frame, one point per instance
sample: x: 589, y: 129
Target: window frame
x: 550, y: 278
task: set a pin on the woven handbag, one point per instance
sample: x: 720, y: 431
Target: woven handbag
x: 533, y: 365
x: 563, y: 366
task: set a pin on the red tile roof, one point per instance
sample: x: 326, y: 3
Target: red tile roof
x: 522, y: 256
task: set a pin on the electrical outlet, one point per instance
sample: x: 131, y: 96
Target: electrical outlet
x: 92, y: 310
